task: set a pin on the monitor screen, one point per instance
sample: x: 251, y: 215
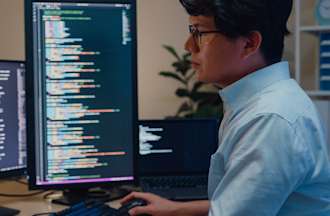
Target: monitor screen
x: 83, y: 63
x: 12, y: 119
x: 171, y: 147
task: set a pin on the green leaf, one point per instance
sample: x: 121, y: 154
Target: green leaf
x: 187, y: 57
x: 187, y: 65
x: 172, y: 75
x: 182, y: 67
x: 211, y: 98
x: 171, y: 50
x: 191, y: 75
x: 197, y: 86
x: 208, y: 111
x: 176, y: 65
x: 185, y: 107
x: 198, y: 96
x: 189, y: 115
x: 180, y: 92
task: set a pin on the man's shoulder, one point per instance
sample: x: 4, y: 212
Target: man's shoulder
x: 283, y: 102
x: 284, y: 99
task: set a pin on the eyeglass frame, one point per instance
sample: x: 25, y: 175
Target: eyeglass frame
x: 195, y: 32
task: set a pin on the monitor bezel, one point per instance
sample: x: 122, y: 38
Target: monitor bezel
x: 20, y: 171
x: 30, y: 97
x: 214, y: 121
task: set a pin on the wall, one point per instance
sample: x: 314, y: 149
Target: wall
x: 12, y: 30
x: 159, y: 22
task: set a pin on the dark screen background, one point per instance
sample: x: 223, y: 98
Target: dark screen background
x: 9, y: 115
x: 103, y: 34
x: 193, y: 142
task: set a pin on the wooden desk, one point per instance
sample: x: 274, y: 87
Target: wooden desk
x: 32, y: 204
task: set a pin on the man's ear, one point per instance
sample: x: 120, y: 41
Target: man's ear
x: 252, y: 43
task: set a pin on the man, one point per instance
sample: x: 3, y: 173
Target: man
x: 272, y: 157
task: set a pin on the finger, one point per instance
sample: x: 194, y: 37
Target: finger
x: 131, y: 196
x: 145, y: 196
x: 127, y: 198
x: 140, y: 210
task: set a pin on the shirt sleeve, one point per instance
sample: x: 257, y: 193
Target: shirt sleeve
x: 266, y: 163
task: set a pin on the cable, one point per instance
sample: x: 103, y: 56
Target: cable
x: 22, y: 195
x: 21, y: 182
x: 45, y: 213
x: 48, y: 194
x: 16, y: 179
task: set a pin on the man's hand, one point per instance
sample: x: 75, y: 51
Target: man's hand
x: 157, y: 206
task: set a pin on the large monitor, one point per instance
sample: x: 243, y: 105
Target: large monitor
x: 12, y: 123
x: 82, y: 94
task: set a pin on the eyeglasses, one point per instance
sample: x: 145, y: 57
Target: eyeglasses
x: 197, y: 35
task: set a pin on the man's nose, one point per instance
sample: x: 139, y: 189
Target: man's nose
x: 190, y: 45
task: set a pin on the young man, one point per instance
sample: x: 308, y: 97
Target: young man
x: 272, y: 157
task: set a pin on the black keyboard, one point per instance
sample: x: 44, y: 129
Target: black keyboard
x: 182, y: 188
x: 174, y: 181
x: 87, y: 208
x: 8, y: 211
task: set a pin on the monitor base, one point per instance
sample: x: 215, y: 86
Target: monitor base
x: 8, y: 211
x: 74, y: 196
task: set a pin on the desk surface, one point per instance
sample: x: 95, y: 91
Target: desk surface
x: 32, y: 204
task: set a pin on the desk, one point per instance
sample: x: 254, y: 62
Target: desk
x: 32, y: 204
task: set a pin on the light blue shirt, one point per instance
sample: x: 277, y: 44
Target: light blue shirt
x: 272, y: 157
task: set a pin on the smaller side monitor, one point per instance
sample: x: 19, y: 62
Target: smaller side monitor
x: 12, y: 119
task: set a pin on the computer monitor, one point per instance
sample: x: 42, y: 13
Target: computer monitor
x: 12, y: 122
x: 167, y: 147
x: 82, y: 94
x: 12, y: 119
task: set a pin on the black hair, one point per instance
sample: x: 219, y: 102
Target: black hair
x: 235, y: 18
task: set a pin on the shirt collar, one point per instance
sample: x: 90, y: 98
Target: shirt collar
x: 240, y: 91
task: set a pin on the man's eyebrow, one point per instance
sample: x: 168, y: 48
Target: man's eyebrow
x: 197, y: 25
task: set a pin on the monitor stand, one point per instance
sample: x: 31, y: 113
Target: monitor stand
x: 8, y: 211
x: 74, y: 196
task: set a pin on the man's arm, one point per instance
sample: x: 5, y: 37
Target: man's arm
x: 158, y: 206
x: 265, y: 162
x: 193, y: 208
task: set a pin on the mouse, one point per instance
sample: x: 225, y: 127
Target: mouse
x: 124, y: 209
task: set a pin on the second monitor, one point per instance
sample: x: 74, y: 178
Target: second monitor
x: 12, y: 123
x: 174, y: 156
x: 12, y: 119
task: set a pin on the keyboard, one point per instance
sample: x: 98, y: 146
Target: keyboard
x: 176, y: 187
x: 87, y: 208
x: 174, y: 181
x: 8, y: 211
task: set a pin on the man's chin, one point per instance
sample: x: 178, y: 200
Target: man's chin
x: 202, y: 78
x: 199, y: 76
